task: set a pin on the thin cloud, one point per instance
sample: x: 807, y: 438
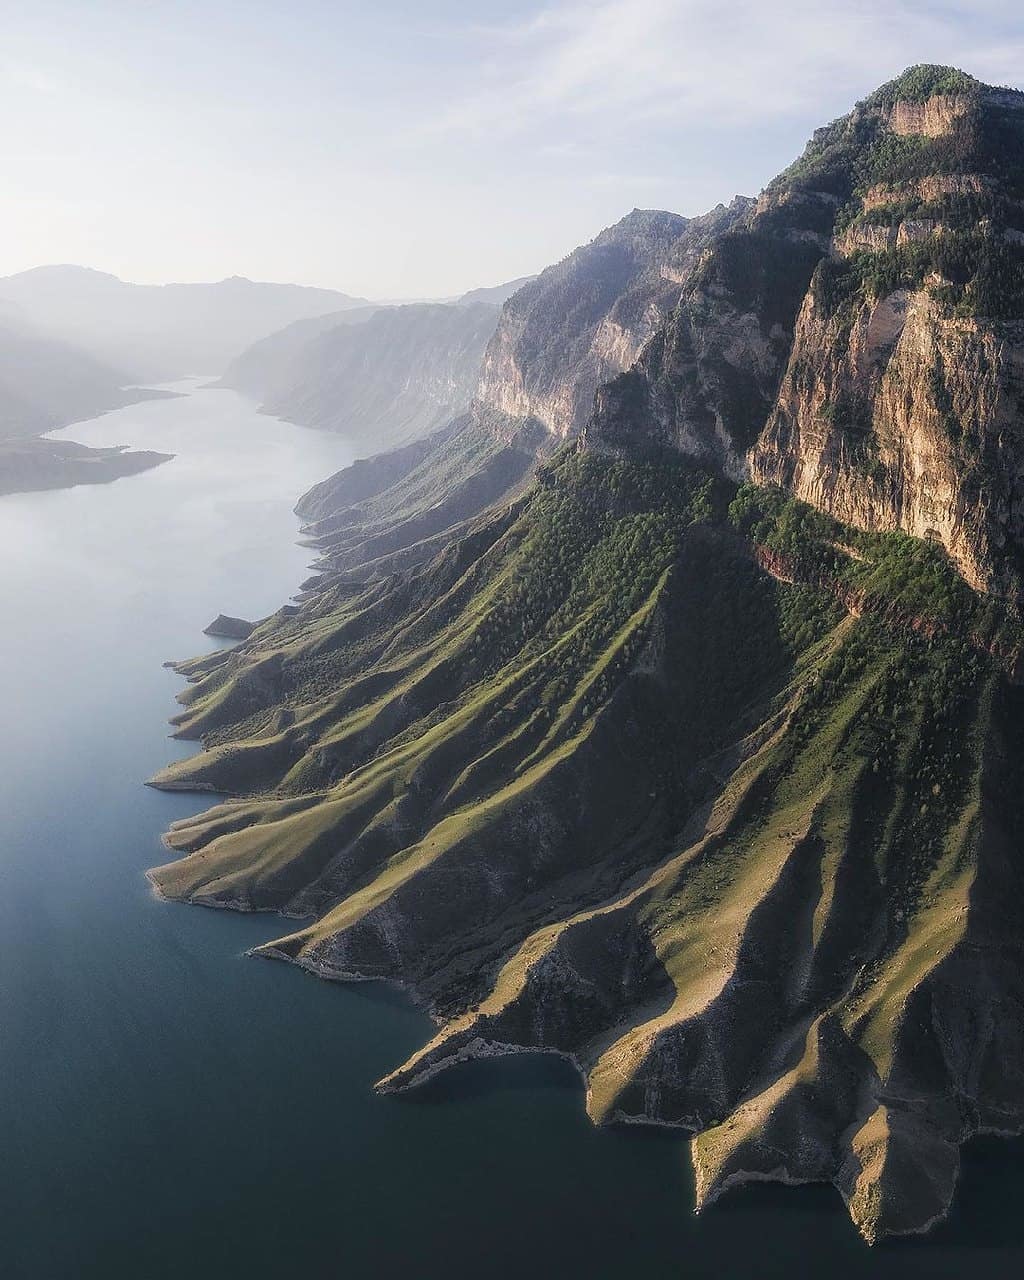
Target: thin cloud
x: 620, y: 63
x: 24, y: 76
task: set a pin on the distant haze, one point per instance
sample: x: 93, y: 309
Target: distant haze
x: 158, y: 332
x: 407, y: 149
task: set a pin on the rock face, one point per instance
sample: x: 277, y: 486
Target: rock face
x: 266, y: 367
x: 587, y: 318
x: 902, y: 416
x: 397, y: 374
x: 900, y: 405
x: 857, y: 337
x: 577, y: 322
x: 688, y: 749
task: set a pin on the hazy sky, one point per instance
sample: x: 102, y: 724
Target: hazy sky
x: 398, y: 148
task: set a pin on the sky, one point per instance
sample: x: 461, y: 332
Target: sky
x: 419, y: 148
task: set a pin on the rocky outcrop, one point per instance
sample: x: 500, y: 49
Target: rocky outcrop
x: 225, y: 627
x: 587, y: 318
x: 906, y: 418
x: 857, y: 337
x: 557, y: 337
x: 705, y: 382
x: 900, y: 404
x: 936, y: 117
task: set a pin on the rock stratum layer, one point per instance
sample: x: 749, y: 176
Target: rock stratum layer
x: 684, y: 738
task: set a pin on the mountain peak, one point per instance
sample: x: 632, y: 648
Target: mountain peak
x: 67, y: 271
x: 644, y: 222
x: 924, y: 81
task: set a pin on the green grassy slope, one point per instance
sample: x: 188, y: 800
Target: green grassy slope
x: 592, y: 780
x: 606, y: 753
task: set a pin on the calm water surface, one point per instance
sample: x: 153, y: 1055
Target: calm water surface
x: 169, y: 1108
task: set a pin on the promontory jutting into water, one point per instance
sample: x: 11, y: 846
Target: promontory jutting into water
x: 181, y: 1109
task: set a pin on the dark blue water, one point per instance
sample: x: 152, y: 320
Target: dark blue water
x: 169, y: 1108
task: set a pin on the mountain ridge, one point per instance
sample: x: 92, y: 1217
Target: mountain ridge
x: 600, y: 737
x: 381, y: 376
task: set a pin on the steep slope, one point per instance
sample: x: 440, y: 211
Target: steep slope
x: 161, y: 332
x: 594, y: 781
x: 400, y: 373
x: 586, y: 318
x: 713, y: 791
x: 857, y: 338
x: 901, y: 403
x: 265, y: 368
x: 579, y: 321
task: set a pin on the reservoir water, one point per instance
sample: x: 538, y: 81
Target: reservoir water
x: 170, y: 1108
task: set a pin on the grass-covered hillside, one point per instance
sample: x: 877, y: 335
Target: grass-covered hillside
x: 593, y: 779
x: 693, y: 749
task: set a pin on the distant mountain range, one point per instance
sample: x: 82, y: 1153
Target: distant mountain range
x: 154, y: 333
x: 380, y: 376
x: 74, y: 343
x: 47, y: 383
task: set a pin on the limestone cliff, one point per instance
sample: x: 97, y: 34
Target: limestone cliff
x: 587, y: 318
x: 858, y: 337
x: 900, y: 406
x: 578, y: 322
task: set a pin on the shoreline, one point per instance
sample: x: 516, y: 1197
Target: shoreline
x: 39, y: 464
